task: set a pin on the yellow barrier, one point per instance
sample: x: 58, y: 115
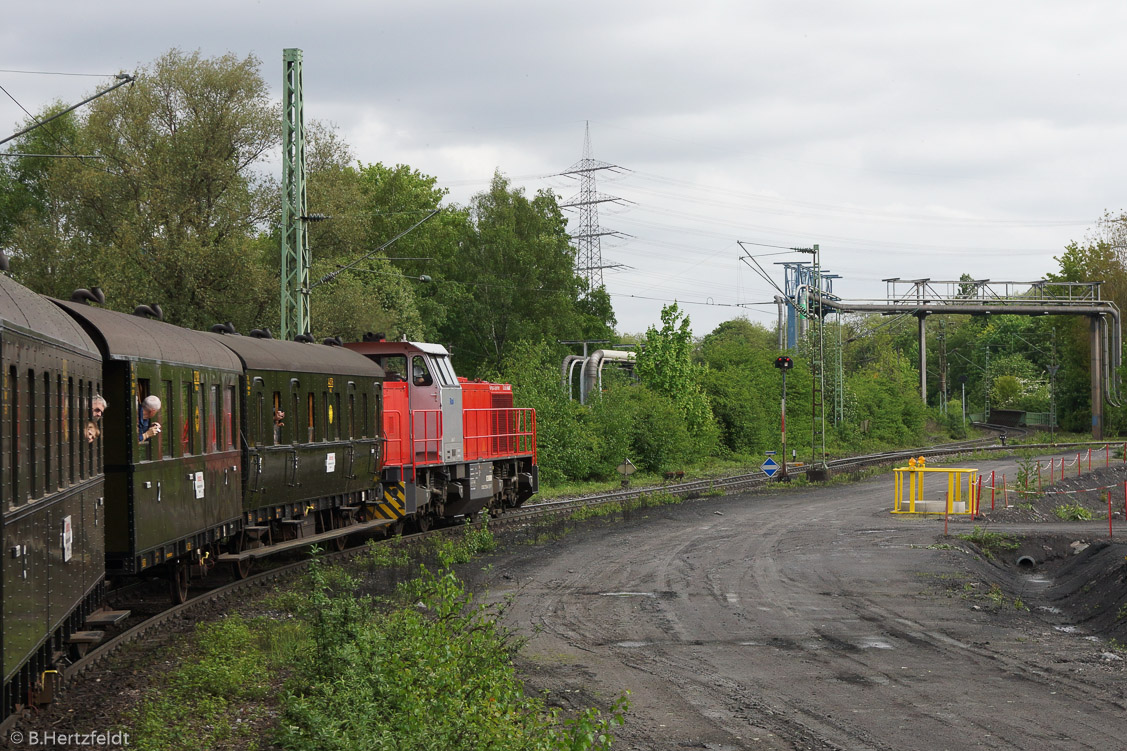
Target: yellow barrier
x: 961, y: 496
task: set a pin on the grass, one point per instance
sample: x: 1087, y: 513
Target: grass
x: 642, y: 501
x: 223, y: 693
x: 1072, y: 512
x: 990, y: 542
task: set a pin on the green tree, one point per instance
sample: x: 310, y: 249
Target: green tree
x: 567, y: 448
x: 33, y: 222
x: 1102, y: 257
x: 510, y: 278
x: 742, y: 385
x: 358, y: 290
x: 171, y: 211
x: 1006, y: 392
x: 665, y: 364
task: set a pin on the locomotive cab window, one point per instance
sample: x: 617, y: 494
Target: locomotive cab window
x: 395, y: 367
x: 420, y: 373
x: 445, y: 372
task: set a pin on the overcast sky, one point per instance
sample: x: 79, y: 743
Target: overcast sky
x: 908, y: 139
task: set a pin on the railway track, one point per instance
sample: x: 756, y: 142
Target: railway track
x: 524, y: 516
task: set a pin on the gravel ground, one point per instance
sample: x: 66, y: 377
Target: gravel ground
x: 816, y: 619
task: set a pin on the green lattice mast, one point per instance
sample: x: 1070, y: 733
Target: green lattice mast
x: 295, y: 244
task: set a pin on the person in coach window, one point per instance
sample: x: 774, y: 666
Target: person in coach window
x: 147, y: 410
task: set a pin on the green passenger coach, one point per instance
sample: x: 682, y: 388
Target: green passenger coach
x: 173, y: 500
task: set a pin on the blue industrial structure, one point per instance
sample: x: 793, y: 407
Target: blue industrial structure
x: 800, y: 278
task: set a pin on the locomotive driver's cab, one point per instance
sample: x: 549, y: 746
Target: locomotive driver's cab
x: 420, y: 380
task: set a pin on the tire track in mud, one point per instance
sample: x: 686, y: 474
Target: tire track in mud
x: 797, y: 621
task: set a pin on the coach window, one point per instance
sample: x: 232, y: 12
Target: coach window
x: 187, y: 418
x: 143, y: 391
x: 228, y: 416
x: 81, y: 444
x: 89, y: 449
x: 311, y: 416
x: 351, y: 411
x: 295, y: 411
x: 212, y: 415
x: 339, y: 431
x: 33, y: 454
x: 72, y: 418
x: 48, y: 435
x: 168, y: 418
x: 279, y: 417
x: 328, y: 419
x: 364, y: 416
x: 59, y: 429
x: 14, y: 437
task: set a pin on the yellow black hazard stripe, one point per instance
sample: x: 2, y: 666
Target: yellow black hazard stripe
x: 394, y: 503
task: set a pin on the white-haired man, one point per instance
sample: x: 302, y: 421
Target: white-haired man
x: 147, y: 410
x: 98, y: 406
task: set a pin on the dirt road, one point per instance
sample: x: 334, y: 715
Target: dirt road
x: 815, y: 619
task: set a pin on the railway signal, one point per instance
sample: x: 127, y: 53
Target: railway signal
x: 783, y: 363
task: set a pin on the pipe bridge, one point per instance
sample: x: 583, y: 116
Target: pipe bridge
x: 924, y: 297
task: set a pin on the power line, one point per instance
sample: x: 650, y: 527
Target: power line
x: 56, y: 73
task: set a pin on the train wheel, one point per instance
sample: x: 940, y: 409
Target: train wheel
x: 339, y: 543
x: 178, y: 578
x: 423, y: 522
x: 395, y: 528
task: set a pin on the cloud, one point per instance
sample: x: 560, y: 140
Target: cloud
x: 907, y: 139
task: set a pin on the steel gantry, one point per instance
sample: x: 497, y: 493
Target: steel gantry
x: 799, y: 278
x: 924, y: 297
x: 295, y: 243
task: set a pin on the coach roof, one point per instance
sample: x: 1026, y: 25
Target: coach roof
x: 297, y: 357
x: 122, y: 336
x: 20, y: 308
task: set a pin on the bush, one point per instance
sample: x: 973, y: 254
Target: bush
x: 1073, y: 512
x: 435, y: 673
x: 956, y: 426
